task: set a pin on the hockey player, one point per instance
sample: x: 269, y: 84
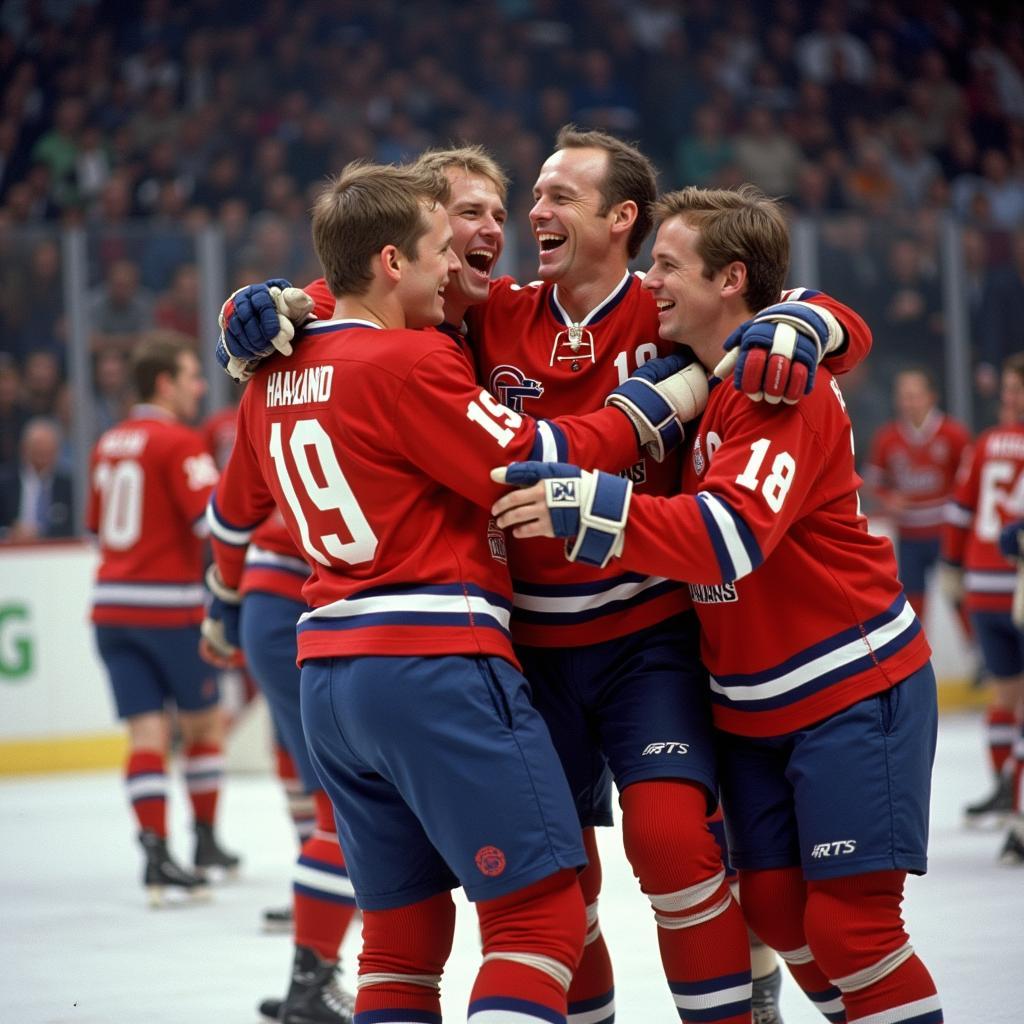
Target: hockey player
x: 989, y: 494
x: 827, y: 727
x: 150, y: 479
x: 911, y: 469
x: 260, y: 622
x: 629, y: 638
x: 441, y: 772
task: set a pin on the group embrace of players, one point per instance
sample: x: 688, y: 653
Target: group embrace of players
x: 697, y: 614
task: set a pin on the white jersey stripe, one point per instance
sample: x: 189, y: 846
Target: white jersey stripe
x: 223, y: 532
x: 709, y: 1000
x: 570, y: 604
x: 729, y: 534
x: 256, y: 556
x: 429, y: 604
x: 990, y: 582
x: 908, y: 1011
x: 548, y: 450
x: 149, y: 595
x: 324, y: 881
x: 821, y: 665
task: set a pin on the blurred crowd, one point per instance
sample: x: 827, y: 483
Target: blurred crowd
x: 145, y: 123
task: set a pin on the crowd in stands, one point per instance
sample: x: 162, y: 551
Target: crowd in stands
x: 144, y: 123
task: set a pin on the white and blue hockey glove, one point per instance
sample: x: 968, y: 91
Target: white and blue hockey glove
x: 775, y: 355
x: 258, y: 320
x: 588, y: 507
x: 659, y: 398
x: 219, y: 629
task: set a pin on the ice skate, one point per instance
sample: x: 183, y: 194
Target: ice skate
x: 210, y: 856
x: 764, y: 1002
x: 993, y: 810
x: 277, y: 919
x: 162, y: 872
x: 1012, y: 853
x: 270, y: 1010
x: 314, y: 996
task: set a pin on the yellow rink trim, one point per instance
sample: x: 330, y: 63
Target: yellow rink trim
x: 107, y: 750
x: 62, y: 753
x: 960, y: 695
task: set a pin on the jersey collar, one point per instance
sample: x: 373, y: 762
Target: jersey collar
x: 601, y: 310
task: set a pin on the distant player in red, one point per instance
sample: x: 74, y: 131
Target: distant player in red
x: 373, y: 441
x: 151, y: 477
x: 821, y: 685
x: 911, y: 469
x: 989, y: 495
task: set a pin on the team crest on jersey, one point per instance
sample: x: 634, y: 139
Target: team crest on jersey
x: 699, y: 462
x: 512, y: 387
x: 496, y: 542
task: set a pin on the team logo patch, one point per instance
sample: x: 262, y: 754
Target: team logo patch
x: 699, y: 462
x: 496, y: 542
x: 490, y: 860
x: 512, y: 387
x: 563, y: 492
x: 669, y: 747
x: 834, y: 849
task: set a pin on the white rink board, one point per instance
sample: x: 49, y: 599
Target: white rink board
x: 52, y: 682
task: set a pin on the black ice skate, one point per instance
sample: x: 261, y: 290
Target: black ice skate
x: 1012, y: 852
x: 993, y: 810
x: 210, y: 855
x: 764, y: 1002
x: 314, y: 996
x: 278, y: 919
x: 270, y: 1010
x: 163, y: 872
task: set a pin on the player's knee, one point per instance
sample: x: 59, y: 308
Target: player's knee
x: 542, y: 926
x: 773, y: 906
x: 666, y: 836
x: 408, y: 945
x: 854, y: 928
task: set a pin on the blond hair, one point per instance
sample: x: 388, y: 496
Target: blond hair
x: 364, y: 209
x: 735, y: 225
x: 470, y: 160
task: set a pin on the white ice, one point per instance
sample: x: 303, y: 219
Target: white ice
x: 78, y: 944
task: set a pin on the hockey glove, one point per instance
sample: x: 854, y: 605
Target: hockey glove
x: 775, y: 355
x: 257, y: 320
x: 1011, y: 539
x: 219, y: 629
x: 589, y: 507
x: 659, y: 398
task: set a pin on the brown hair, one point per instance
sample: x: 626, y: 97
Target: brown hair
x: 470, y: 159
x: 156, y: 353
x: 364, y: 209
x: 1015, y: 364
x: 630, y: 175
x: 740, y: 224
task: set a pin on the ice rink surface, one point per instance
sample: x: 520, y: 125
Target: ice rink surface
x: 78, y: 943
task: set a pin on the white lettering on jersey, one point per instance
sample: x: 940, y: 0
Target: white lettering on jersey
x: 200, y: 471
x: 300, y: 387
x: 705, y: 593
x: 123, y: 443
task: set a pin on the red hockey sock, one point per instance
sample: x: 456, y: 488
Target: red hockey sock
x: 412, y: 942
x: 1002, y: 730
x: 773, y: 903
x: 854, y: 927
x: 146, y: 781
x: 701, y: 931
x: 323, y: 899
x: 533, y: 941
x: 300, y: 802
x: 592, y: 992
x: 204, y: 769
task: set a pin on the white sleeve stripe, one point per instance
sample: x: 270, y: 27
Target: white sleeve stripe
x: 549, y: 450
x: 223, y: 532
x: 729, y: 534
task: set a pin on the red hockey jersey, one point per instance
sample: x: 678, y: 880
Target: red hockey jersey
x: 801, y: 611
x: 989, y: 494
x: 917, y: 465
x: 535, y: 360
x: 150, y: 479
x: 219, y: 431
x: 377, y: 446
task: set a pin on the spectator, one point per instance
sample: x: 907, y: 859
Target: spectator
x: 58, y: 150
x: 999, y: 330
x: 178, y: 308
x: 909, y: 330
x: 705, y: 151
x: 13, y: 415
x: 35, y: 495
x: 121, y: 308
x: 819, y: 52
x: 111, y: 390
x: 765, y: 155
x: 40, y: 383
x: 869, y: 185
x: 911, y: 167
x: 602, y: 100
